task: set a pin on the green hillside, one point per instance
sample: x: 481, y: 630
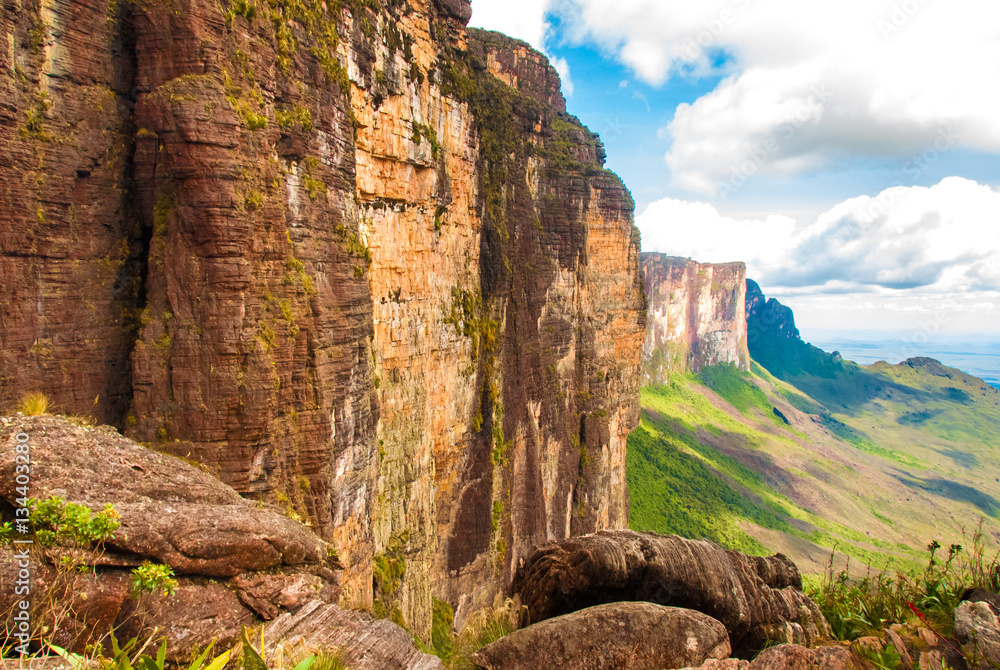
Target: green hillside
x: 876, y: 461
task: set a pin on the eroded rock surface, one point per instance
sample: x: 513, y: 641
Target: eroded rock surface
x: 977, y: 625
x: 757, y: 599
x: 171, y: 513
x: 797, y: 657
x: 353, y: 257
x: 696, y: 316
x: 364, y: 643
x: 619, y: 636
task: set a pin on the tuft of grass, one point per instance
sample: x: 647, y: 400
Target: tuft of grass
x: 34, y: 403
x: 329, y: 660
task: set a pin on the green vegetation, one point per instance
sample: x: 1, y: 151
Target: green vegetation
x: 737, y: 389
x: 483, y: 627
x: 248, y: 106
x: 54, y: 522
x: 131, y: 656
x: 314, y: 187
x: 855, y: 438
x: 253, y: 200
x: 423, y: 130
x: 568, y: 137
x: 34, y: 403
x: 856, y: 608
x: 814, y: 451
x: 57, y: 522
x: 679, y: 485
x: 504, y: 117
x: 243, y: 8
x: 34, y: 119
x: 388, y: 571
x: 297, y: 117
x: 150, y: 578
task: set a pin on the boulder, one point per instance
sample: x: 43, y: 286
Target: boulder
x: 456, y: 9
x: 797, y: 657
x: 977, y: 625
x: 757, y: 599
x: 234, y: 559
x: 364, y: 643
x: 978, y: 595
x: 616, y: 636
x: 79, y: 607
x: 191, y: 618
x: 724, y: 664
x: 268, y: 595
x: 171, y: 512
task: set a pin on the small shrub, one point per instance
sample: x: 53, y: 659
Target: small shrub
x: 254, y: 200
x: 149, y: 578
x: 58, y: 522
x: 35, y: 403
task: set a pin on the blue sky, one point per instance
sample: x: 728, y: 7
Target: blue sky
x: 849, y: 152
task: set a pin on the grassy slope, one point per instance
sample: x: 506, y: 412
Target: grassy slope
x: 877, y: 461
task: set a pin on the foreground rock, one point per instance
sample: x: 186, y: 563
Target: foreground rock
x: 797, y: 657
x: 978, y: 627
x: 171, y: 513
x: 364, y: 643
x: 757, y: 599
x: 618, y: 636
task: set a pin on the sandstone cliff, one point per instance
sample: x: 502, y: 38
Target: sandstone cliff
x: 357, y: 260
x: 696, y: 315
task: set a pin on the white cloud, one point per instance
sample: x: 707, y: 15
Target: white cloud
x: 811, y: 84
x: 562, y: 67
x: 908, y: 249
x: 523, y: 19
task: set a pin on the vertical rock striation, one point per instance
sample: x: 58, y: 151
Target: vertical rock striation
x: 697, y: 316
x: 70, y: 245
x: 356, y: 259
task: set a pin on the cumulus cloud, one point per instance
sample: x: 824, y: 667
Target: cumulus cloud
x: 938, y: 240
x: 807, y: 85
x: 523, y: 19
x: 562, y: 67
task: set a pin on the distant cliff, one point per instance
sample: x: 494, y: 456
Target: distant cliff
x: 353, y: 257
x: 696, y: 316
x: 775, y: 342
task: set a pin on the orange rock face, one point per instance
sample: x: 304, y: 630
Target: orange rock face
x: 697, y: 316
x: 357, y: 261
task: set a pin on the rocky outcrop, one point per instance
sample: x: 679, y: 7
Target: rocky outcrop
x: 625, y: 636
x: 362, y: 643
x: 757, y: 599
x: 775, y: 342
x: 978, y: 626
x: 508, y: 322
x: 172, y: 513
x: 696, y: 316
x: 767, y: 318
x: 356, y: 260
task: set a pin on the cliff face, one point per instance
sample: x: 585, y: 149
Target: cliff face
x: 697, y: 316
x: 357, y: 260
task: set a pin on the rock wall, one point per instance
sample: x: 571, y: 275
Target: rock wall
x: 696, y: 315
x: 354, y: 258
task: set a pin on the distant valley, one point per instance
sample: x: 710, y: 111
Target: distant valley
x: 802, y: 451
